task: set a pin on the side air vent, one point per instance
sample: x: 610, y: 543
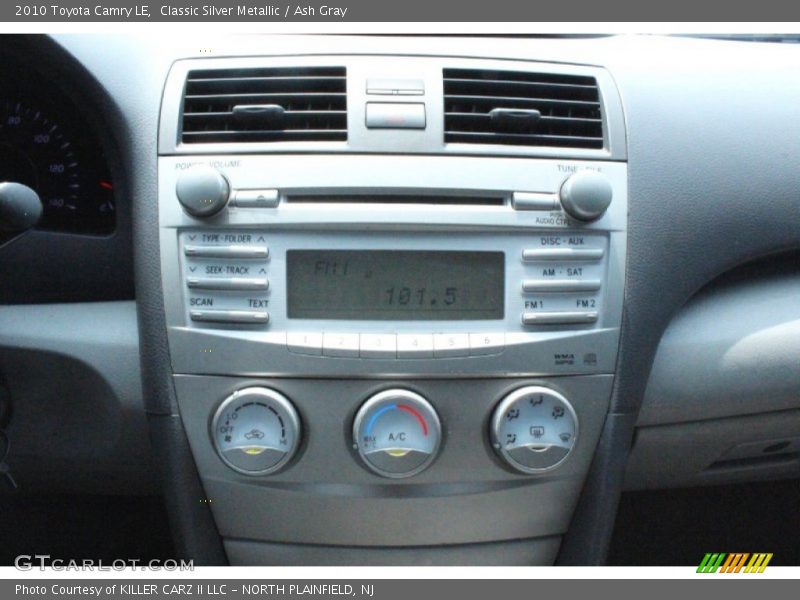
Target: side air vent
x: 302, y: 104
x: 522, y: 109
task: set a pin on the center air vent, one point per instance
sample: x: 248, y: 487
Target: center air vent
x: 522, y: 108
x: 296, y: 104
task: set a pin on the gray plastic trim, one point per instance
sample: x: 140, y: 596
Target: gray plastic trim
x: 733, y: 350
x: 539, y: 551
x: 716, y: 451
x: 73, y: 370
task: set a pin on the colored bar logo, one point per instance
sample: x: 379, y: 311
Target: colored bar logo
x: 734, y: 563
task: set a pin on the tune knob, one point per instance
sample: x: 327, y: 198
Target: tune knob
x: 202, y: 191
x: 534, y: 429
x: 586, y: 195
x: 256, y: 431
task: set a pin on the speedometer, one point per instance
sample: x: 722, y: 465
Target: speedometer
x: 60, y: 162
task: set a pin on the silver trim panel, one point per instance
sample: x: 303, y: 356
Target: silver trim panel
x: 362, y: 68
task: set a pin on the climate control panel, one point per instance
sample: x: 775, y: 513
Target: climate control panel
x: 397, y: 433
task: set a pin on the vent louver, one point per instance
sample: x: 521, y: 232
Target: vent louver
x: 522, y: 109
x: 295, y: 104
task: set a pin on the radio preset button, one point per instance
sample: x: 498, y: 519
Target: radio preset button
x: 485, y: 344
x: 532, y: 286
x: 228, y: 283
x: 236, y: 251
x: 537, y: 254
x: 304, y: 343
x: 414, y: 345
x: 450, y: 345
x: 256, y: 198
x: 559, y: 318
x: 378, y: 345
x: 341, y: 345
x: 251, y: 317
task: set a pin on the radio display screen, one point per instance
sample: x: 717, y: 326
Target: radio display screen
x: 389, y: 285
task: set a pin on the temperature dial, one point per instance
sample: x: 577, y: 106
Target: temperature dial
x: 534, y: 429
x: 397, y: 433
x: 256, y: 431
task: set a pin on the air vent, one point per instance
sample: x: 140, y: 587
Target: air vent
x: 302, y: 104
x: 522, y: 109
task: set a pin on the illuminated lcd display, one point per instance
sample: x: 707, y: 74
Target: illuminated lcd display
x: 395, y: 285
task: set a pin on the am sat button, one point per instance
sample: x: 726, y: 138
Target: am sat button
x: 484, y: 344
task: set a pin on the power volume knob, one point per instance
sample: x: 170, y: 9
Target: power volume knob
x: 202, y: 191
x: 586, y: 195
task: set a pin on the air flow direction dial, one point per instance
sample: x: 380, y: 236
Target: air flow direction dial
x: 534, y: 429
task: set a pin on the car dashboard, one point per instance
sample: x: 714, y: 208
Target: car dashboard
x: 400, y: 300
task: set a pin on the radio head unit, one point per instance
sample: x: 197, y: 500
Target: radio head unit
x: 329, y: 279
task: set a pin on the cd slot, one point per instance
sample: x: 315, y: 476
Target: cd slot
x: 379, y: 198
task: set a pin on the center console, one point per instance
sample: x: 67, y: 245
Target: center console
x: 393, y: 290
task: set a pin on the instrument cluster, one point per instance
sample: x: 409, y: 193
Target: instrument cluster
x: 49, y: 145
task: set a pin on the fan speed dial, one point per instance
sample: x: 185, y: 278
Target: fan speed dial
x: 256, y: 431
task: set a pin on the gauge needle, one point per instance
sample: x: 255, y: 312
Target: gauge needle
x: 106, y: 185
